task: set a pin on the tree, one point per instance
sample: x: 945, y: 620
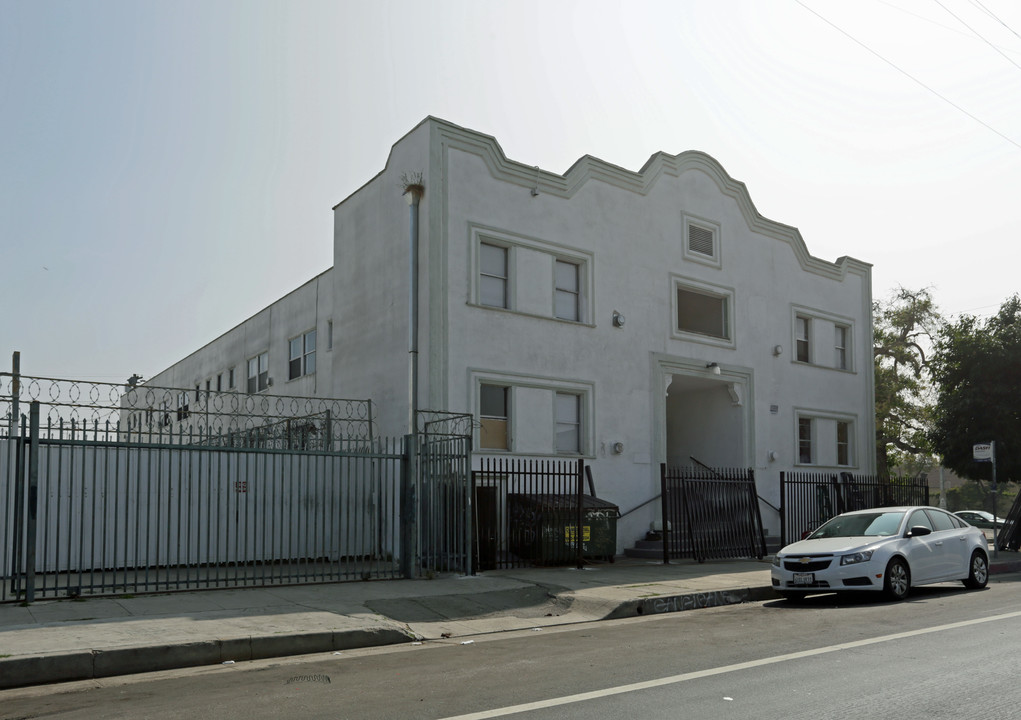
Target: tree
x: 904, y: 327
x: 977, y: 376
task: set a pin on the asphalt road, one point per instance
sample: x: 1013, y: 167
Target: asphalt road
x: 944, y: 653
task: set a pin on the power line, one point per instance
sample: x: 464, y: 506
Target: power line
x: 910, y: 76
x: 994, y: 17
x: 978, y: 34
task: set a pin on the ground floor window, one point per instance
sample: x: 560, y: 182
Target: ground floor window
x: 493, y: 416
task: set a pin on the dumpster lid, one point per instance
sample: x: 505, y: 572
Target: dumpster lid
x: 562, y: 501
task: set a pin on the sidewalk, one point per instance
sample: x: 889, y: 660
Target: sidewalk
x: 62, y: 640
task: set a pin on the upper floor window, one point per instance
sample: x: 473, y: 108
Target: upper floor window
x: 258, y: 373
x: 301, y: 355
x: 567, y: 293
x: 840, y: 334
x: 802, y: 339
x: 703, y: 312
x: 493, y: 277
x: 529, y: 276
x: 230, y: 379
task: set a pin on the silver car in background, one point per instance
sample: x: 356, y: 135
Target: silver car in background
x: 887, y: 550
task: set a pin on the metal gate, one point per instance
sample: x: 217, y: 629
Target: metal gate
x: 444, y: 497
x: 710, y: 513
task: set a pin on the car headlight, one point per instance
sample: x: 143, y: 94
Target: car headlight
x: 776, y: 560
x: 855, y: 558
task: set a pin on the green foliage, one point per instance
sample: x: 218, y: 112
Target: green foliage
x: 977, y: 375
x: 975, y: 496
x: 903, y: 330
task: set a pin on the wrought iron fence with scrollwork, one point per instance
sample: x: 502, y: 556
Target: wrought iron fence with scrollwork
x: 111, y: 412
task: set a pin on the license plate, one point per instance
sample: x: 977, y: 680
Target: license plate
x: 804, y: 578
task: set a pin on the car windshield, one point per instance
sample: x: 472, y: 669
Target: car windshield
x: 877, y: 524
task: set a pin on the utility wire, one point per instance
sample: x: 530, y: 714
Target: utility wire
x: 910, y: 76
x: 993, y: 16
x: 978, y: 34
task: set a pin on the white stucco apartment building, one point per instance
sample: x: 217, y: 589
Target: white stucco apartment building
x: 631, y: 318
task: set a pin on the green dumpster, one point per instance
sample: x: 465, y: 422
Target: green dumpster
x: 543, y: 527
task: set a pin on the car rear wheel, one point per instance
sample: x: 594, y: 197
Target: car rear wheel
x: 978, y: 572
x: 898, y: 579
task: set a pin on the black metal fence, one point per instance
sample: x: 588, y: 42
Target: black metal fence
x: 91, y: 504
x: 710, y: 513
x: 807, y: 500
x: 535, y: 512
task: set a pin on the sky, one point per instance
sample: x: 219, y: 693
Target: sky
x: 168, y: 169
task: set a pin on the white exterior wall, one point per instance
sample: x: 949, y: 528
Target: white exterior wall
x: 309, y: 306
x: 629, y: 229
x: 644, y: 385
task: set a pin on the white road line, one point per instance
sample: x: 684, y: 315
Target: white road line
x: 673, y: 679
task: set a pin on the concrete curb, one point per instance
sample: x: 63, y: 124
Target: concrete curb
x: 663, y: 604
x: 91, y: 664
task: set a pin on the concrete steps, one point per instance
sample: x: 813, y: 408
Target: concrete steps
x: 653, y: 549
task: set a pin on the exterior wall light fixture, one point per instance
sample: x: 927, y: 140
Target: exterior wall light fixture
x: 712, y: 367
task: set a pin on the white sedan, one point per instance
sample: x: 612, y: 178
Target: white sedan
x: 889, y: 550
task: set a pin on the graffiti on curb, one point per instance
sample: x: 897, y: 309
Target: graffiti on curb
x: 693, y: 601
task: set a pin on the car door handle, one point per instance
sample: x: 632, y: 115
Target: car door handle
x: 938, y: 542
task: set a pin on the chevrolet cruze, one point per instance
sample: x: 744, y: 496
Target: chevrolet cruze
x: 888, y: 550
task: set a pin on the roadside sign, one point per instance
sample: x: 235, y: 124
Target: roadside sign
x: 982, y: 452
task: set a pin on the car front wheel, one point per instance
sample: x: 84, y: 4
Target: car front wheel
x: 978, y: 573
x: 898, y: 579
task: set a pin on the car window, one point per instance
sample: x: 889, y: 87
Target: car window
x: 940, y: 520
x: 878, y: 524
x: 918, y: 517
x: 958, y: 522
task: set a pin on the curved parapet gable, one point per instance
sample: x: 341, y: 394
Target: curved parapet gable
x: 589, y: 168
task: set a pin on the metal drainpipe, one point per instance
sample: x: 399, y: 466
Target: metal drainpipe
x: 413, y: 193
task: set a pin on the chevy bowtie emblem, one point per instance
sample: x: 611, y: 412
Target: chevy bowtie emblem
x: 805, y: 560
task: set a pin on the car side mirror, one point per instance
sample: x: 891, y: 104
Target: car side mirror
x: 918, y: 531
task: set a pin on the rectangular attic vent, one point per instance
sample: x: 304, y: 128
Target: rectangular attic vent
x: 700, y: 240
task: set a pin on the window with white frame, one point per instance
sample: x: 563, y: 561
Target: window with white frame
x: 301, y: 355
x: 805, y: 444
x: 702, y: 311
x: 802, y: 339
x: 567, y: 294
x: 840, y: 335
x: 568, y: 423
x: 258, y: 373
x: 494, y: 417
x: 493, y: 275
x: 843, y: 443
